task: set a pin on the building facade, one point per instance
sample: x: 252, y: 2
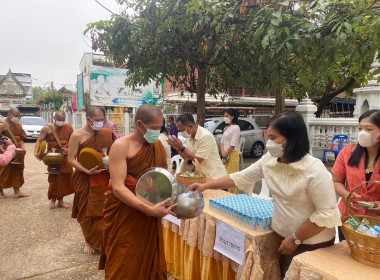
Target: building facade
x: 12, y: 90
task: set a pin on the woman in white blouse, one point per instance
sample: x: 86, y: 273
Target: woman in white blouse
x: 305, y: 208
x: 229, y: 146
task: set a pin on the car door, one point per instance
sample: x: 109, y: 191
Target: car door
x: 217, y: 133
x: 247, y: 131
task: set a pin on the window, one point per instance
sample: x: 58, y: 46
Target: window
x: 221, y: 126
x: 32, y: 121
x: 244, y: 125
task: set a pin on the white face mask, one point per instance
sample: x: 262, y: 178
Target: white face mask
x: 367, y: 139
x: 59, y: 123
x: 97, y: 125
x: 184, y: 134
x: 275, y: 149
x: 15, y: 119
x: 227, y: 120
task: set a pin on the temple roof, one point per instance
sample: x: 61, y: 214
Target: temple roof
x: 10, y: 79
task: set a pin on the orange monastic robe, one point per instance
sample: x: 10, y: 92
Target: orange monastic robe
x: 89, y: 201
x: 12, y: 175
x: 133, y: 245
x: 60, y: 184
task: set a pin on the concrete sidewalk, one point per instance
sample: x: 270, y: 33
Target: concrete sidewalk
x: 39, y: 243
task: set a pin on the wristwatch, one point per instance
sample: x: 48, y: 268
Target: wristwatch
x: 183, y: 149
x: 296, y: 240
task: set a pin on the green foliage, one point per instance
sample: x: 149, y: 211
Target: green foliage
x: 50, y: 97
x: 322, y: 47
x: 183, y: 42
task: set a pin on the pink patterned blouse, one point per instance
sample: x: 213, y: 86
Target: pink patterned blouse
x: 354, y: 176
x: 8, y: 155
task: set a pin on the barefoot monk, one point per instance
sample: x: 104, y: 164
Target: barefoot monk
x: 12, y: 175
x: 57, y: 136
x: 90, y: 185
x: 133, y: 246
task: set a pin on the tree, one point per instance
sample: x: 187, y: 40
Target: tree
x: 319, y: 47
x: 183, y: 42
x: 50, y: 97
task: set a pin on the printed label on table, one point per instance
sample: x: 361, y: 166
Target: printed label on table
x: 173, y: 219
x: 230, y: 241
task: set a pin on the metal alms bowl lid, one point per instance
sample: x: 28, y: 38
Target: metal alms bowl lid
x: 155, y: 185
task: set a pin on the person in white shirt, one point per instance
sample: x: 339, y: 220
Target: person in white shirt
x: 200, y: 144
x: 305, y: 207
x: 164, y: 141
x: 229, y: 145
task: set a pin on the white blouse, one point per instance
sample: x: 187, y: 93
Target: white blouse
x: 163, y: 138
x: 301, y: 191
x: 231, y: 137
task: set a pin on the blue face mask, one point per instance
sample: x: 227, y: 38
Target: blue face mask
x: 150, y: 135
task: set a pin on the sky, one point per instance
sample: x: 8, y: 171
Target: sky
x: 45, y: 37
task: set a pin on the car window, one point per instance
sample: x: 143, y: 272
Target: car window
x: 221, y: 126
x: 244, y: 125
x: 33, y: 121
x: 210, y: 124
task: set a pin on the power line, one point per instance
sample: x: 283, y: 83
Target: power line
x: 105, y: 7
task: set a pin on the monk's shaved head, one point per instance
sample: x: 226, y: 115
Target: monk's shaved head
x: 13, y: 111
x: 60, y: 113
x: 146, y: 113
x: 92, y: 110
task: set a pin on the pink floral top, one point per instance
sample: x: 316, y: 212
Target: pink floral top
x: 354, y: 176
x: 8, y: 155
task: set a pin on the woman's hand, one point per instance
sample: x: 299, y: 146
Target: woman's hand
x: 375, y: 210
x: 352, y: 205
x: 197, y: 187
x: 224, y: 161
x: 288, y: 247
x: 8, y: 141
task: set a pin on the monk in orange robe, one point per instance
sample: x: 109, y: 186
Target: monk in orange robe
x: 12, y: 175
x: 90, y: 185
x: 133, y: 245
x: 60, y: 185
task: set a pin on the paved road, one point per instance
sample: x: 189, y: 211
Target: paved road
x: 39, y: 243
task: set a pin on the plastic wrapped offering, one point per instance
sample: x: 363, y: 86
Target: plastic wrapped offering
x: 246, y: 210
x: 352, y: 223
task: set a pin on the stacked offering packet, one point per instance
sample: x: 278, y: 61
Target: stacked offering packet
x: 248, y: 211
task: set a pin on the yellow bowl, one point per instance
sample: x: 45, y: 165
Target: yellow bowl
x: 89, y: 158
x: 53, y: 158
x: 42, y: 149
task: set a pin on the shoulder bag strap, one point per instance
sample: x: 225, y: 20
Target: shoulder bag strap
x: 11, y: 134
x: 55, y: 135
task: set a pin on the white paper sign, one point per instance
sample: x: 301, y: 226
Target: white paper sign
x: 230, y: 241
x: 173, y: 219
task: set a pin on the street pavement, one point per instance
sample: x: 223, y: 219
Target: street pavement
x: 41, y: 243
x: 37, y: 242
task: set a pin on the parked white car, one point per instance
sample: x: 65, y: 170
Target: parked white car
x: 32, y: 126
x: 254, y: 138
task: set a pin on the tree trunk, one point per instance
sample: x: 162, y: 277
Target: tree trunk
x: 280, y: 101
x: 322, y: 104
x: 201, y: 93
x: 328, y: 96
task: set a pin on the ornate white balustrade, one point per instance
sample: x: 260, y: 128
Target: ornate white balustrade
x: 322, y: 130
